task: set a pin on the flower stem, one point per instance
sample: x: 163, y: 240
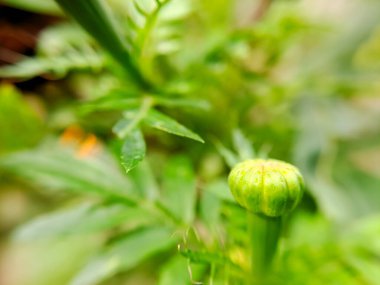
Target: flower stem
x: 264, y: 233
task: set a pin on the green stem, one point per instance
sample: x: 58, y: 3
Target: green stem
x: 264, y: 233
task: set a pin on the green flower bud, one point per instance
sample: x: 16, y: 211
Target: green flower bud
x: 269, y: 187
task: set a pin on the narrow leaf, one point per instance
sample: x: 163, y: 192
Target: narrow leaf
x: 175, y: 272
x: 179, y: 189
x: 229, y: 157
x: 144, y: 181
x: 164, y: 123
x: 242, y: 145
x: 133, y: 150
x: 132, y: 118
x: 125, y: 254
x: 96, y: 18
x: 83, y: 218
x: 59, y: 168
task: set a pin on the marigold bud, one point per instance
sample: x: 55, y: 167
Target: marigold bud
x: 269, y: 187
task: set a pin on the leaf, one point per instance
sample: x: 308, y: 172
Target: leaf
x: 220, y: 189
x: 164, y: 123
x: 59, y: 168
x: 80, y: 219
x: 58, y: 66
x: 96, y: 18
x: 37, y: 6
x: 179, y: 188
x: 242, y: 145
x: 20, y: 125
x: 144, y: 181
x: 132, y: 118
x: 204, y: 257
x: 182, y: 103
x: 175, y: 272
x: 125, y: 254
x: 133, y: 150
x: 229, y: 156
x: 210, y: 209
x: 61, y: 48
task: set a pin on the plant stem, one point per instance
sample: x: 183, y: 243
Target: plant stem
x: 264, y: 233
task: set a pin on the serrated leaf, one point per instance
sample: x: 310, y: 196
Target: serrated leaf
x: 61, y: 48
x: 179, y: 188
x: 164, y: 123
x: 133, y: 150
x: 80, y: 219
x: 58, y: 66
x: 125, y: 254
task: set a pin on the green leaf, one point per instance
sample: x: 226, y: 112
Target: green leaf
x: 220, y: 189
x: 133, y: 150
x: 210, y: 209
x: 20, y: 126
x: 60, y: 168
x: 61, y: 48
x: 204, y: 257
x: 132, y: 118
x: 58, y: 66
x: 144, y: 181
x: 175, y: 272
x: 96, y: 18
x: 242, y: 145
x: 37, y: 6
x: 80, y: 219
x: 182, y: 103
x: 179, y: 188
x: 164, y: 123
x: 125, y: 254
x: 229, y: 156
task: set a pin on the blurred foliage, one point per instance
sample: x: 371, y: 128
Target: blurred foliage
x: 119, y: 162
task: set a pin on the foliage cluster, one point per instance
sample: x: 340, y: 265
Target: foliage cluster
x: 150, y: 103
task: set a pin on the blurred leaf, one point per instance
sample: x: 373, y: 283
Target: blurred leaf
x: 164, y: 123
x: 175, y: 272
x: 133, y: 150
x: 204, y: 257
x: 125, y: 254
x: 144, y: 180
x: 20, y: 125
x: 242, y: 145
x: 60, y: 168
x: 58, y: 66
x: 220, y: 189
x: 229, y: 156
x: 179, y: 188
x: 61, y: 48
x: 81, y: 219
x: 96, y: 18
x: 37, y: 6
x: 210, y: 209
x: 330, y: 177
x: 132, y: 118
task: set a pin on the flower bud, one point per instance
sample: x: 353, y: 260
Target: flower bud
x: 269, y: 187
